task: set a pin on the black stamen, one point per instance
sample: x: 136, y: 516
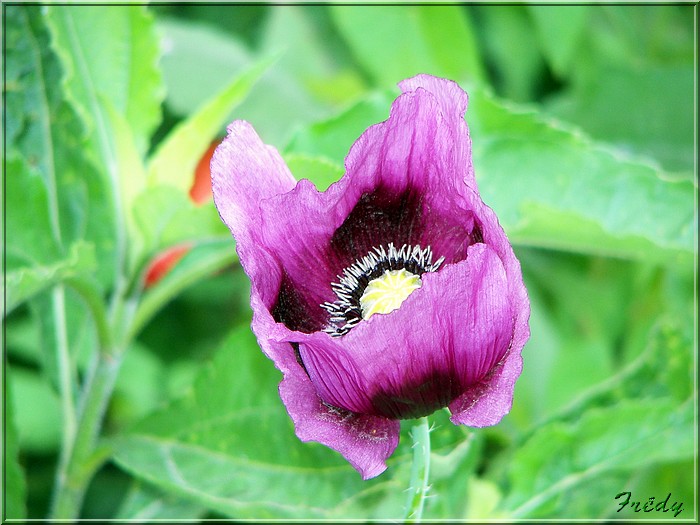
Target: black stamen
x: 346, y: 311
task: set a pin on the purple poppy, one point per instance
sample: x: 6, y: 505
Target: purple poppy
x: 392, y: 294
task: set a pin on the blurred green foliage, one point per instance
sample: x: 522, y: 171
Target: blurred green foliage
x: 582, y: 119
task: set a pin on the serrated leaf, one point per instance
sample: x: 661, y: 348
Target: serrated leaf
x: 555, y: 187
x: 397, y: 42
x: 229, y: 445
x: 111, y: 53
x: 55, y: 195
x: 647, y: 111
x: 48, y: 149
x: 23, y: 283
x: 626, y: 437
x: 174, y: 161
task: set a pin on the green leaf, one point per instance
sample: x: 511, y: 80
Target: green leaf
x: 54, y: 197
x: 196, y: 51
x: 554, y: 187
x: 560, y: 31
x: 164, y: 216
x: 111, y: 53
x: 15, y: 485
x: 331, y: 138
x: 626, y: 437
x: 584, y: 312
x: 483, y: 497
x: 320, y: 171
x: 314, y: 70
x: 631, y: 78
x: 551, y: 186
x: 229, y: 445
x: 646, y: 110
x: 203, y: 259
x: 39, y: 431
x: 139, y: 387
x: 144, y: 503
x: 503, y: 29
x: 32, y: 238
x: 174, y: 162
x: 396, y: 42
x: 22, y: 284
x: 130, y: 167
x: 193, y: 51
x: 56, y: 200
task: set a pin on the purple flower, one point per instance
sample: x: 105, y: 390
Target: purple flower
x: 392, y: 294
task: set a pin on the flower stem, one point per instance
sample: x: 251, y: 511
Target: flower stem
x: 58, y: 305
x: 420, y: 471
x: 82, y: 457
x: 79, y: 468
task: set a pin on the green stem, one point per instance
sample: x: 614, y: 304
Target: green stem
x: 156, y: 298
x: 95, y: 303
x: 72, y: 482
x: 420, y: 471
x: 65, y: 379
x: 82, y: 457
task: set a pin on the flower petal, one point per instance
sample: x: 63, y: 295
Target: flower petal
x: 444, y: 339
x: 365, y: 441
x: 405, y: 183
x: 244, y: 173
x: 452, y: 98
x: 486, y: 403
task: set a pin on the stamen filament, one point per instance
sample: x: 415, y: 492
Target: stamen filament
x: 347, y: 310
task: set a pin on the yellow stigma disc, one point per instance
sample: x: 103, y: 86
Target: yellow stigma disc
x: 386, y: 293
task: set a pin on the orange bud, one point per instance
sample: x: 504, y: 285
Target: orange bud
x: 164, y: 262
x: 200, y: 192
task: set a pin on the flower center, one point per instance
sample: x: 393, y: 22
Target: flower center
x: 379, y: 282
x: 386, y: 293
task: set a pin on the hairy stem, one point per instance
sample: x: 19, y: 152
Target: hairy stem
x: 65, y: 379
x: 420, y: 471
x: 74, y: 479
x: 81, y: 457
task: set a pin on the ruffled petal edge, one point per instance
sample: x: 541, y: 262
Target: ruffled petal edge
x: 364, y: 441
